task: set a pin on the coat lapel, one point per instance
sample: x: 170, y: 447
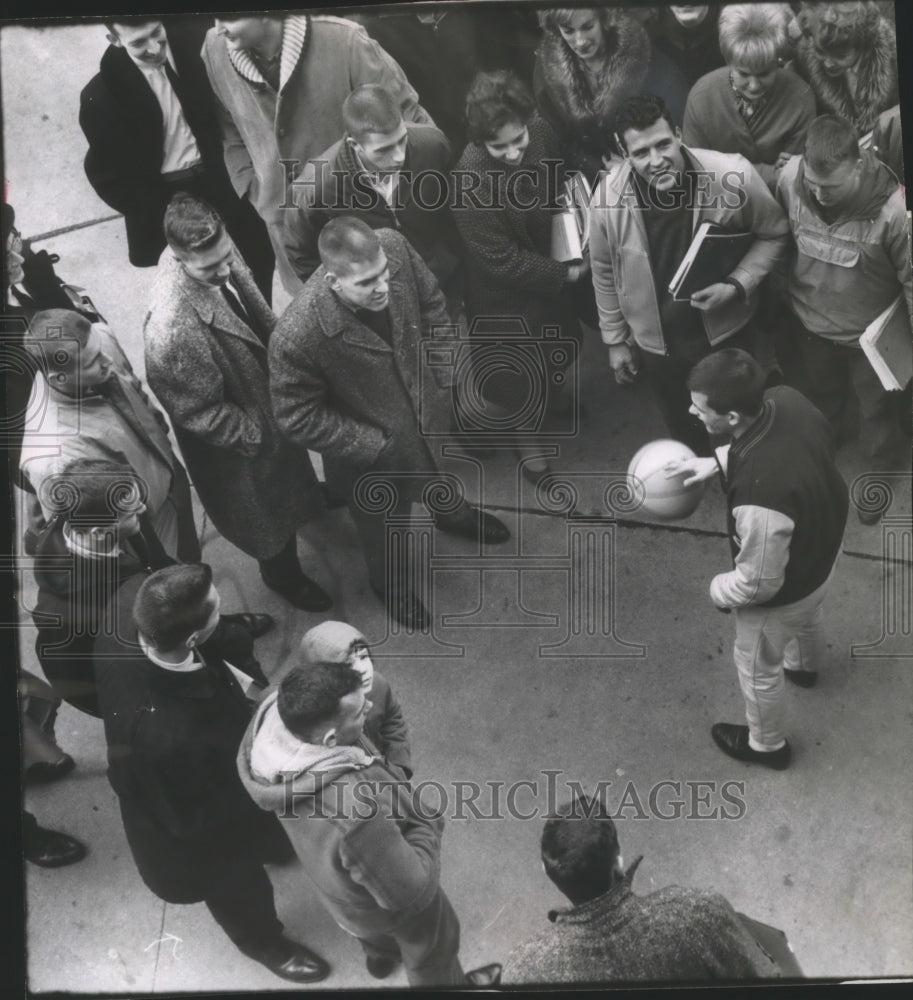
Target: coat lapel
x: 213, y: 310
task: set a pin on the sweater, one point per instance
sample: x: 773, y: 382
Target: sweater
x: 673, y: 934
x: 712, y: 120
x: 786, y: 505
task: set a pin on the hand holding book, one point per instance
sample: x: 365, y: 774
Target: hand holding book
x: 713, y: 296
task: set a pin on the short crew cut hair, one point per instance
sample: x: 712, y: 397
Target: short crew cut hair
x: 192, y: 224
x: 731, y: 380
x: 171, y: 604
x: 346, y: 241
x: 370, y: 108
x: 754, y: 35
x: 90, y: 492
x: 640, y: 112
x: 310, y: 693
x: 494, y: 100
x: 830, y: 141
x: 130, y: 20
x: 579, y: 848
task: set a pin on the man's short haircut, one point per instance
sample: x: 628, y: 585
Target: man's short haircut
x: 129, y: 20
x: 370, y: 108
x: 91, y: 492
x: 754, y: 35
x: 345, y: 242
x: 171, y: 604
x: 640, y: 112
x: 191, y: 224
x: 494, y: 100
x: 50, y: 337
x: 829, y: 142
x: 310, y: 693
x: 580, y: 848
x: 731, y: 380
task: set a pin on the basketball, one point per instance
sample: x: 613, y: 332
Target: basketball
x: 668, y: 499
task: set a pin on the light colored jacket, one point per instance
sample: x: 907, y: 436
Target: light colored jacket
x: 323, y: 60
x: 733, y: 195
x: 60, y: 429
x: 844, y: 273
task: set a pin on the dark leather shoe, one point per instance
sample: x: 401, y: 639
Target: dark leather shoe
x: 303, y: 593
x: 380, y: 968
x: 474, y: 524
x: 293, y: 961
x: 406, y: 609
x: 51, y: 849
x: 733, y: 740
x: 256, y: 624
x: 43, y: 772
x: 801, y: 678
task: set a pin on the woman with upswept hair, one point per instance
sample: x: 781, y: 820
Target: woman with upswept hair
x: 589, y: 61
x: 755, y: 105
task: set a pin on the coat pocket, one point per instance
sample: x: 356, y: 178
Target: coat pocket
x: 826, y: 250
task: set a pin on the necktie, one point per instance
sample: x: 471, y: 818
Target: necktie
x: 147, y: 546
x: 236, y: 306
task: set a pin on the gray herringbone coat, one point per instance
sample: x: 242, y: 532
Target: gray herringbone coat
x: 209, y: 370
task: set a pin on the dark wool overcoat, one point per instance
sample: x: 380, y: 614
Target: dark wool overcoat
x: 172, y: 742
x: 510, y: 274
x: 209, y: 370
x: 340, y: 389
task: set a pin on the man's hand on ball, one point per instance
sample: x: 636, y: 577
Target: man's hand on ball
x: 714, y: 296
x: 621, y: 359
x: 699, y: 469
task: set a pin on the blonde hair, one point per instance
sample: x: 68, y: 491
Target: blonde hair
x: 754, y: 35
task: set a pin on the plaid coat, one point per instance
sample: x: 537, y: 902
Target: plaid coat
x: 209, y: 370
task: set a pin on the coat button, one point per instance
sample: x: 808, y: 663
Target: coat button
x: 280, y: 132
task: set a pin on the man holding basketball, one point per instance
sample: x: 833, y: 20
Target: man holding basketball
x: 786, y: 510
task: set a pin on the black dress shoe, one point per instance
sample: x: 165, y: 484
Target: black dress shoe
x: 43, y: 772
x: 406, y: 609
x: 51, y: 849
x: 380, y: 968
x: 801, y: 678
x: 256, y: 624
x: 293, y: 961
x: 733, y: 740
x: 474, y: 524
x: 302, y: 593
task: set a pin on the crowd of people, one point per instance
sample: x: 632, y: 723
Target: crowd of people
x: 399, y: 172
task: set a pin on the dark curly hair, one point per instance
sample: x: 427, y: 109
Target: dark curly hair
x: 495, y: 99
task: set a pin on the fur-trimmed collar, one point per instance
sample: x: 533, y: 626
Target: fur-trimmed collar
x: 876, y: 88
x: 625, y: 72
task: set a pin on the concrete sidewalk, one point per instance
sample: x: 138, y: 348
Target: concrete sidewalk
x: 821, y: 850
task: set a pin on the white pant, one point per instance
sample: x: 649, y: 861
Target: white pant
x: 765, y: 637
